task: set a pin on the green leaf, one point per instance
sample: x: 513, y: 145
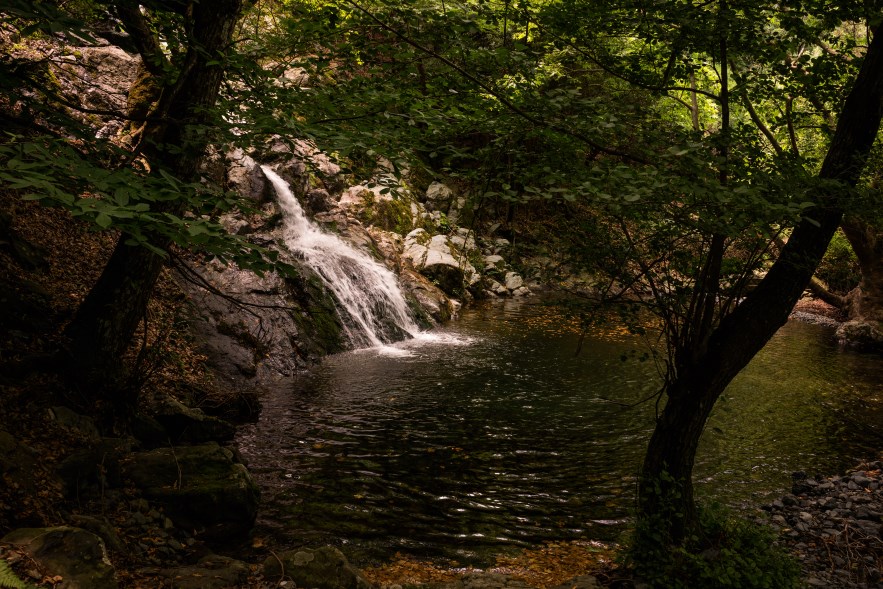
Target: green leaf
x: 103, y: 220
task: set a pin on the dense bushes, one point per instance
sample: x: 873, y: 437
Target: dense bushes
x: 727, y: 552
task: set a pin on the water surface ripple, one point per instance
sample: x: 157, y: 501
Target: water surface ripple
x: 491, y: 434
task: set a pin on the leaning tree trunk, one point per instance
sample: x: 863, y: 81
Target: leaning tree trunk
x: 107, y: 319
x: 665, y: 494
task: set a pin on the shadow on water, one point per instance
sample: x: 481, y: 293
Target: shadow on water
x: 491, y: 434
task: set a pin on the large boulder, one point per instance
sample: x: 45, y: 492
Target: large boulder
x: 302, y: 165
x: 87, y: 471
x: 202, y: 487
x: 428, y: 296
x: 245, y: 176
x: 322, y: 568
x: 75, y: 555
x: 438, y: 197
x: 186, y: 425
x: 100, y: 78
x: 437, y: 258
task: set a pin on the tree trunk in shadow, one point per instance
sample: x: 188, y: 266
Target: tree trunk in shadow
x: 665, y: 499
x: 105, y: 322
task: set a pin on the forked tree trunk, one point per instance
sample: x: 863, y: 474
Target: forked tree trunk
x: 665, y: 493
x: 107, y: 319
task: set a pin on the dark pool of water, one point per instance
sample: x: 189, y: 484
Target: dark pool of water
x: 493, y: 434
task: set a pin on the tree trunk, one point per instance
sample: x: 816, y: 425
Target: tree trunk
x: 665, y: 498
x: 105, y: 322
x: 866, y: 301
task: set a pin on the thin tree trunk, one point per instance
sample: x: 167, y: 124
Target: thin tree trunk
x: 665, y: 490
x: 105, y: 322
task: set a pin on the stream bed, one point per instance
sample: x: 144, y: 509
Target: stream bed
x: 492, y: 433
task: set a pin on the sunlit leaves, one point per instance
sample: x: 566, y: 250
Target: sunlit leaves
x: 56, y: 174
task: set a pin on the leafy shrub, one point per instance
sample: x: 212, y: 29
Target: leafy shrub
x: 839, y: 268
x: 10, y: 580
x: 727, y: 552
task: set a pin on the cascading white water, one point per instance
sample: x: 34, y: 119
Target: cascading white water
x: 367, y: 291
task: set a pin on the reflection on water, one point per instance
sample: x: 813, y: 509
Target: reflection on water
x: 492, y: 433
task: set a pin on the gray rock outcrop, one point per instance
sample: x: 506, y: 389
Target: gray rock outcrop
x: 439, y: 259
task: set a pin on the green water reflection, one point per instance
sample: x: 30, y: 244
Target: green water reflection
x: 499, y: 436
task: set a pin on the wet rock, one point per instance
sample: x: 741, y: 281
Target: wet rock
x: 245, y: 176
x: 78, y: 556
x: 428, y: 296
x: 300, y: 162
x: 323, y: 568
x: 199, y: 487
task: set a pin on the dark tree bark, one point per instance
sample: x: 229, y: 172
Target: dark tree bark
x: 105, y: 322
x: 665, y: 489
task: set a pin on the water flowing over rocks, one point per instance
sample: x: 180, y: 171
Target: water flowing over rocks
x: 833, y: 526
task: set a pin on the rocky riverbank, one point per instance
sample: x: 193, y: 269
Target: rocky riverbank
x: 833, y: 527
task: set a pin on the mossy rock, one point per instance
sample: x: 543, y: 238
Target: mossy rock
x: 199, y: 486
x: 322, y: 568
x: 75, y: 555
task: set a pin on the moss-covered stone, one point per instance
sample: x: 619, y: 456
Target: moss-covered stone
x: 319, y: 327
x: 323, y: 568
x: 199, y: 486
x: 74, y: 554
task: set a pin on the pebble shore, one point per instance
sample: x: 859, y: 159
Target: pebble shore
x: 833, y: 526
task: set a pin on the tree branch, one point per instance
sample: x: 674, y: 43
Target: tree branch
x: 490, y: 90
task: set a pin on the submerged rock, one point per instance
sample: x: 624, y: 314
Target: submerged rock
x: 78, y: 556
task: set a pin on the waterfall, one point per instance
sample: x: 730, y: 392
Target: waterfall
x: 371, y: 304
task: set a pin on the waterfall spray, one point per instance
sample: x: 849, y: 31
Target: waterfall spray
x: 371, y: 304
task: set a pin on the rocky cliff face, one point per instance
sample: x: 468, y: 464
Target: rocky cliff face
x: 254, y: 328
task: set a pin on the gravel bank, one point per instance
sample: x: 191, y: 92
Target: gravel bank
x: 833, y: 526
